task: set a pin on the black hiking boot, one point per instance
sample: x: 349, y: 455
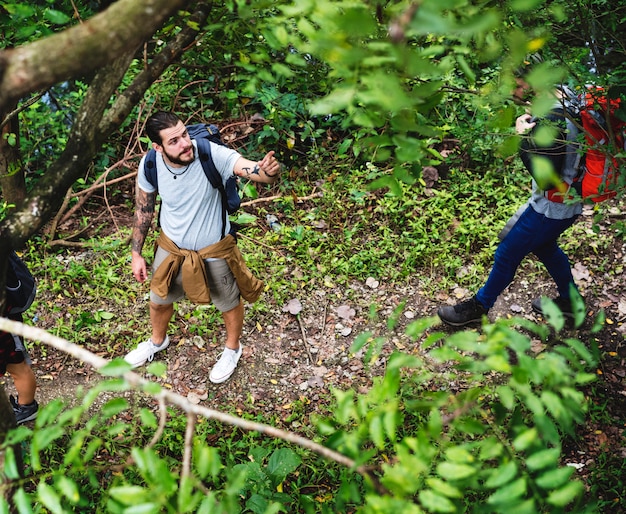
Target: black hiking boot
x: 464, y: 313
x: 24, y: 413
x: 564, y: 305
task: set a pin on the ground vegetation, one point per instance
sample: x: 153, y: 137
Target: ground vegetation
x: 395, y: 186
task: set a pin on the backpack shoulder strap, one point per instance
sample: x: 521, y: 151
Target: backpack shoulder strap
x: 214, y: 177
x: 150, y: 167
x: 204, y: 154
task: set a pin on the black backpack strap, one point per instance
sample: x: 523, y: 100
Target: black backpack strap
x: 204, y: 154
x: 150, y: 167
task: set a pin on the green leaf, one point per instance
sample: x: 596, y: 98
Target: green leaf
x: 525, y: 5
x: 68, y: 488
x: 336, y: 101
x: 507, y: 397
x: 249, y: 190
x: 525, y: 439
x: 17, y: 435
x: 148, y: 419
x: 244, y: 218
x: 444, y: 488
x: 490, y: 448
x: 22, y: 501
x: 416, y: 328
x: 459, y: 455
x: 49, y: 497
x: 188, y: 498
x: 129, y: 494
x: 21, y: 10
x: 508, y: 493
x: 114, y: 407
x: 10, y: 464
x: 207, y: 461
x: 554, y: 477
x: 56, y: 17
x: 157, y: 368
x: 399, y: 360
x: 553, y: 404
x: 377, y: 432
x: 566, y: 494
x: 452, y: 471
x: 282, y: 462
x: 598, y: 322
x: 360, y: 341
x: 435, y: 502
x: 115, y: 368
x: 502, y: 475
x: 543, y: 458
x: 390, y: 421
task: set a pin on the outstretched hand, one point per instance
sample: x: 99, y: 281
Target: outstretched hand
x: 523, y: 123
x: 269, y: 165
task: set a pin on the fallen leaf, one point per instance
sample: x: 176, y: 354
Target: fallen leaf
x: 293, y: 306
x: 345, y: 312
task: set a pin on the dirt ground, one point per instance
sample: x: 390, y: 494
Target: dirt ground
x: 289, y: 359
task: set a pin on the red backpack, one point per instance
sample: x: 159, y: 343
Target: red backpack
x: 604, y: 138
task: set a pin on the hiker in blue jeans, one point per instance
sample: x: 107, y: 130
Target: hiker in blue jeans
x: 535, y: 228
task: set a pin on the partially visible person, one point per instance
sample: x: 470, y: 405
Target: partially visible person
x: 15, y: 361
x: 192, y: 256
x: 535, y: 229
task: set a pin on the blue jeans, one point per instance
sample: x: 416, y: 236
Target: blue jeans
x: 533, y: 233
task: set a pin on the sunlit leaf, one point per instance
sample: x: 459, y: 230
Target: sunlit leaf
x: 115, y: 368
x: 436, y: 502
x: 566, y: 494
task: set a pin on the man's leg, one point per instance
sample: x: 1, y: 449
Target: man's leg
x: 24, y: 381
x: 227, y: 299
x: 233, y: 320
x: 509, y: 254
x: 160, y: 316
x: 555, y: 260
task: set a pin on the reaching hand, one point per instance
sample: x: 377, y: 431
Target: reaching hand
x: 269, y: 165
x: 523, y: 123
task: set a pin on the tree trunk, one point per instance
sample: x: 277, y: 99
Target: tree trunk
x: 94, y: 124
x: 12, y: 183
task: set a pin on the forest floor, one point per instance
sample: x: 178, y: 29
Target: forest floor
x: 292, y: 362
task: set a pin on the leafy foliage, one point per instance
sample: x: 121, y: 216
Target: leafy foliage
x: 335, y: 92
x: 491, y: 445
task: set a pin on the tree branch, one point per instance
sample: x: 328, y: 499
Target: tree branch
x: 83, y: 48
x: 137, y: 382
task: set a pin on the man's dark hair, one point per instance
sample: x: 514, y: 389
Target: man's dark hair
x: 159, y: 121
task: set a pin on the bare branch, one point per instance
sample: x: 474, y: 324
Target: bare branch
x: 137, y: 382
x: 83, y: 48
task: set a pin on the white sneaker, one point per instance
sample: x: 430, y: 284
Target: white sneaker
x: 225, y: 367
x: 145, y: 352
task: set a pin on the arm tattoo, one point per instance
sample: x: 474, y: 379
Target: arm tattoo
x: 144, y: 212
x: 254, y: 171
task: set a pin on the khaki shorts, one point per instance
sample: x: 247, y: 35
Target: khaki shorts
x: 222, y: 284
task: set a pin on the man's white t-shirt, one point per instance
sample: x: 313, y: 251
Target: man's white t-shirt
x: 191, y: 208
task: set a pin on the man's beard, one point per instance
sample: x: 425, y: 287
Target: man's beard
x: 178, y: 160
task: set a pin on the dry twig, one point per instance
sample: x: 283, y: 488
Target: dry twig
x: 137, y: 382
